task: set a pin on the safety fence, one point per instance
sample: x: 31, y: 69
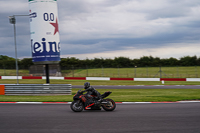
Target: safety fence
x: 35, y: 89
x: 118, y: 72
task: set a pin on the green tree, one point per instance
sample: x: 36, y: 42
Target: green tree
x: 188, y: 61
x: 7, y: 62
x: 25, y: 63
x: 122, y: 62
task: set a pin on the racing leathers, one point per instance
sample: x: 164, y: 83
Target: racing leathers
x: 92, y: 91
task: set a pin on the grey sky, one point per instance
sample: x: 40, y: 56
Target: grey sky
x: 111, y: 28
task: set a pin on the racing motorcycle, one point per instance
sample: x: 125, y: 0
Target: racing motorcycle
x: 82, y: 101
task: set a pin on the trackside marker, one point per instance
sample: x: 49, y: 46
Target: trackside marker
x: 56, y: 102
x: 142, y: 102
x: 198, y: 101
x: 2, y: 90
x: 7, y: 102
x: 164, y: 102
x: 128, y: 102
x: 29, y: 102
x: 189, y: 101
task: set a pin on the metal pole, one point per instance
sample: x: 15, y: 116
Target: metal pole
x: 102, y: 72
x: 135, y: 71
x: 196, y: 71
x: 73, y: 70
x: 16, y: 62
x: 13, y: 21
x: 160, y: 72
x: 87, y: 71
x: 118, y: 71
x: 177, y: 72
x: 147, y: 71
x: 47, y: 73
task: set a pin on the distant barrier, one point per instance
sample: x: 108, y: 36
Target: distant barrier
x: 35, y: 89
x: 101, y: 78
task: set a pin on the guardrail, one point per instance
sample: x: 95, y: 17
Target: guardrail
x: 35, y: 89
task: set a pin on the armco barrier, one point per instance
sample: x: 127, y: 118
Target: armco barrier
x: 101, y: 78
x: 35, y: 89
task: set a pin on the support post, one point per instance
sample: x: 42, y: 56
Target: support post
x: 47, y: 73
x: 13, y: 21
x: 16, y: 62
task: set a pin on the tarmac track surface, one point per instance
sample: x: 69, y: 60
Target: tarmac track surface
x: 127, y: 118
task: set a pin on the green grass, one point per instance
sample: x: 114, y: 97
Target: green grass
x: 119, y: 95
x: 96, y: 82
x: 12, y: 72
x: 139, y: 72
x: 157, y: 95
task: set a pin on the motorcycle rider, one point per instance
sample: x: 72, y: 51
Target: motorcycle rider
x: 91, y: 91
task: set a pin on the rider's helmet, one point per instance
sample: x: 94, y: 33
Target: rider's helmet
x: 86, y: 85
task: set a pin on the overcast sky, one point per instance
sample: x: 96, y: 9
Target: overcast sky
x: 111, y: 28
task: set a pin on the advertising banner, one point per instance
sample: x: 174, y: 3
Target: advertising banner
x: 45, y: 41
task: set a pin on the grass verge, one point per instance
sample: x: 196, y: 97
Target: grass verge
x: 96, y: 82
x: 118, y: 95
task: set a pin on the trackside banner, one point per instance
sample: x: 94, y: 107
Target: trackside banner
x: 45, y: 40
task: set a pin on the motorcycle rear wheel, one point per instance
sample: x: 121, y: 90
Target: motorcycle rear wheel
x: 76, y: 106
x: 110, y: 107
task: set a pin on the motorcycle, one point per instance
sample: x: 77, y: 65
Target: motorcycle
x: 91, y: 102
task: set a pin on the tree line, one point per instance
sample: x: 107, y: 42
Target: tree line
x: 118, y: 62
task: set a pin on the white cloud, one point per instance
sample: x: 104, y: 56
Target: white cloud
x: 129, y: 19
x: 172, y: 50
x: 13, y: 6
x: 110, y: 28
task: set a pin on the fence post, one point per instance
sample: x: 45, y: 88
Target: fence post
x: 147, y: 71
x: 160, y: 72
x: 118, y: 72
x: 177, y: 72
x: 72, y: 70
x: 4, y: 71
x: 86, y: 71
x: 102, y: 72
x: 135, y: 71
x: 196, y: 71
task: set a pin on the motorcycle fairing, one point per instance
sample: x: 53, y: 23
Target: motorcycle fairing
x: 106, y: 94
x: 82, y: 97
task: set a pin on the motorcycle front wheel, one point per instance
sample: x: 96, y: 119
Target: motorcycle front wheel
x: 109, y: 107
x: 76, y: 106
